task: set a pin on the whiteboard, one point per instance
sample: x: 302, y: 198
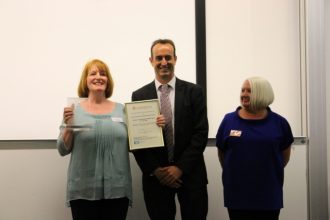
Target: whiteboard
x: 45, y: 44
x: 253, y: 38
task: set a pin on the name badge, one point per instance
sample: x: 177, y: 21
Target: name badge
x: 116, y: 119
x: 235, y: 133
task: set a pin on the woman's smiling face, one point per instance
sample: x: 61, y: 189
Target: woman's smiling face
x: 245, y: 94
x: 96, y: 79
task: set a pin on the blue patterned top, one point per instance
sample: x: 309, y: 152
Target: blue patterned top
x: 99, y: 165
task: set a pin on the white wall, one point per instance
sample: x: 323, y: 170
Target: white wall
x: 34, y: 180
x: 253, y: 38
x: 317, y: 39
x: 263, y: 38
x: 38, y: 186
x: 33, y: 186
x: 45, y: 44
x: 327, y: 72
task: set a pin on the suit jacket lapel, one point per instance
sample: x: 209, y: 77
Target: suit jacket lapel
x: 151, y: 92
x: 179, y: 99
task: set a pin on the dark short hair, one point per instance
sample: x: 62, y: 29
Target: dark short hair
x: 163, y: 41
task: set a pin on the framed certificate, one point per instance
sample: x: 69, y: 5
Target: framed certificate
x: 143, y: 132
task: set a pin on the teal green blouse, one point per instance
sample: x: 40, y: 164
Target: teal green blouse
x: 99, y: 165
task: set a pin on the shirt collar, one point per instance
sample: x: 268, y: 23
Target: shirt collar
x: 171, y: 83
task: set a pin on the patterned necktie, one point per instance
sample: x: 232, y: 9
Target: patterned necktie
x: 165, y: 108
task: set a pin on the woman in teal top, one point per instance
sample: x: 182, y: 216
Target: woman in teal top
x: 99, y: 179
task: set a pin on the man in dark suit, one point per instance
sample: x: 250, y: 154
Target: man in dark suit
x: 184, y: 174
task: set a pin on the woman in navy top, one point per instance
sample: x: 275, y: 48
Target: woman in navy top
x: 254, y: 145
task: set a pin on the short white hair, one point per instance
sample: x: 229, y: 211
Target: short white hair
x: 262, y: 94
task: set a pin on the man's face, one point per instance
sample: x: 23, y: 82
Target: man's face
x: 163, y: 61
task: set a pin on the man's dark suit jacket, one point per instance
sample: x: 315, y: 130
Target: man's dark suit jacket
x: 191, y: 134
